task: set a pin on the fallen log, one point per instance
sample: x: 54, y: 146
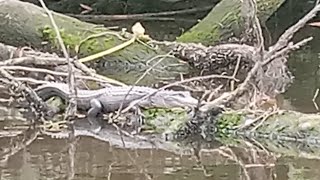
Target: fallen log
x: 19, y: 27
x: 85, y: 39
x: 226, y: 20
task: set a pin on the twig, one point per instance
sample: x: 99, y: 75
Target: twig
x: 77, y: 48
x: 251, y: 122
x: 288, y: 34
x: 235, y: 73
x: 215, y: 92
x: 63, y: 47
x: 177, y: 83
x: 138, y: 80
x: 27, y: 79
x: 38, y: 58
x: 89, y: 72
x: 34, y: 60
x: 314, y: 99
x: 229, y: 96
x: 233, y: 156
x: 285, y: 50
x: 108, y: 51
x: 140, y: 16
x: 257, y: 29
x: 71, y: 110
x: 264, y: 119
x: 57, y: 73
x: 34, y: 97
x: 72, y: 156
x: 138, y: 32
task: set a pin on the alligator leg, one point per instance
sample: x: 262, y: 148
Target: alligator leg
x: 92, y: 115
x: 95, y: 124
x: 96, y: 108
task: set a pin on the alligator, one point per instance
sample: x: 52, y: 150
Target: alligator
x: 110, y: 99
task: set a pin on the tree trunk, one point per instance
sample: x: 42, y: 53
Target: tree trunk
x: 224, y: 20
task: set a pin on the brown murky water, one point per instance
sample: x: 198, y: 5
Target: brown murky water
x: 27, y: 154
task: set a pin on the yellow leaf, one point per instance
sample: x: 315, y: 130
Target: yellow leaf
x: 137, y: 29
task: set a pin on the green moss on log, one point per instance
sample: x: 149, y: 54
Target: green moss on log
x: 162, y: 120
x: 285, y: 123
x: 292, y: 122
x: 224, y: 20
x: 73, y: 40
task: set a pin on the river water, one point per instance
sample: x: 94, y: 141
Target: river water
x: 26, y: 154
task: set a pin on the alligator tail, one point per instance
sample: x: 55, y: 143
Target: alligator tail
x: 47, y: 91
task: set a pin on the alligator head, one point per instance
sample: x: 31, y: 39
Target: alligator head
x: 171, y: 99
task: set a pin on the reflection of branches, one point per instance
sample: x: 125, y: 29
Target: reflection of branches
x: 71, y: 153
x: 28, y: 137
x: 233, y: 156
x: 46, y: 71
x: 19, y: 86
x: 262, y: 118
x: 247, y: 158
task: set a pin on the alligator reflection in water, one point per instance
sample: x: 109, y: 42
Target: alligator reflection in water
x: 114, y: 137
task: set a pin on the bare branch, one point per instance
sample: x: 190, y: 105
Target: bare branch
x: 71, y: 80
x: 288, y: 34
